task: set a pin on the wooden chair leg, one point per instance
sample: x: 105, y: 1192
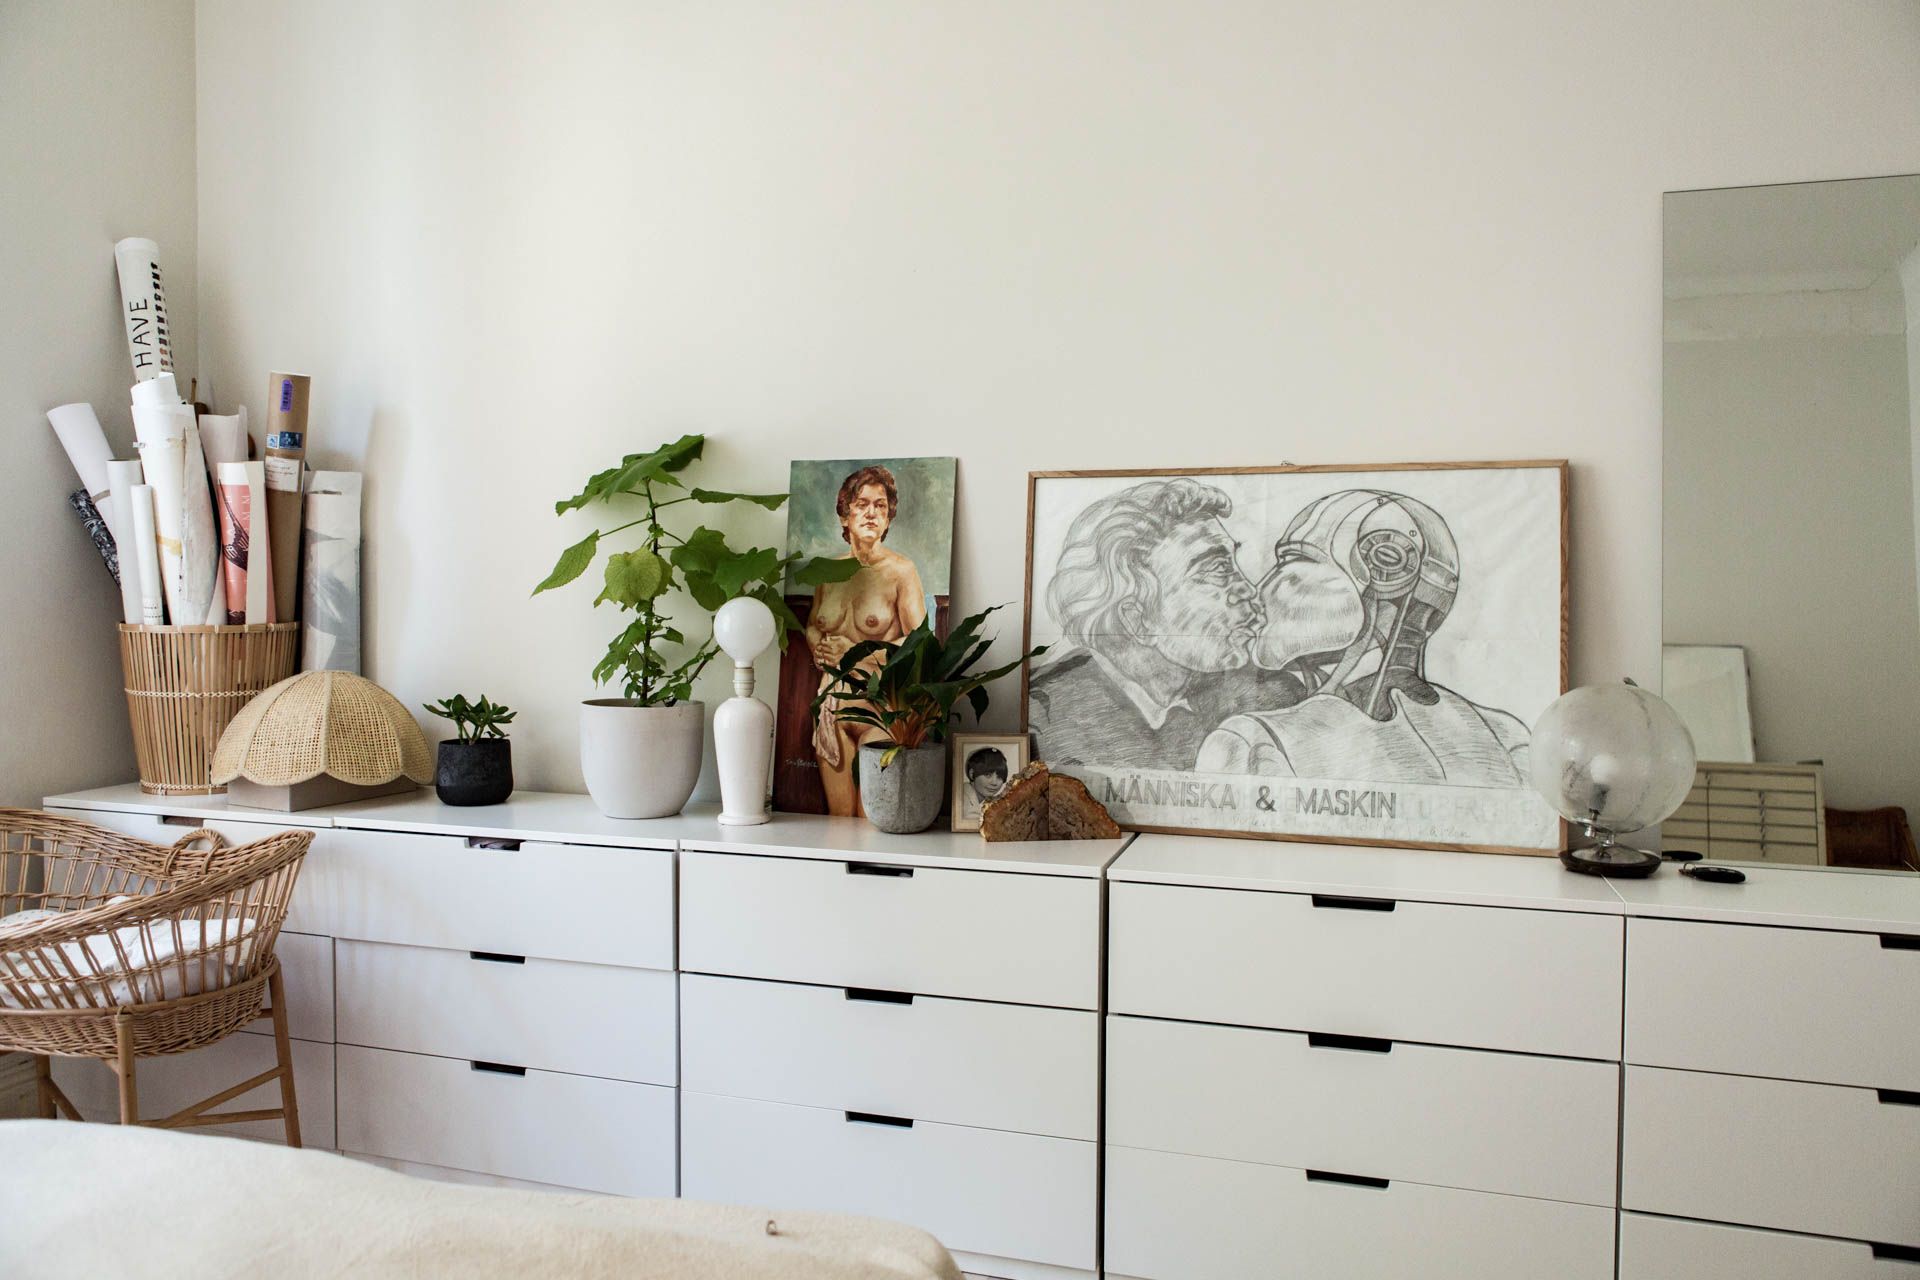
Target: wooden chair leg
x: 283, y: 1050
x: 43, y: 1087
x: 123, y: 1068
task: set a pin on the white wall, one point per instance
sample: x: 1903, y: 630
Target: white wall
x: 1789, y: 530
x: 1910, y: 294
x: 512, y: 241
x: 97, y: 143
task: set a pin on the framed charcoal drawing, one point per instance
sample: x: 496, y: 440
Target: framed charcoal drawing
x: 1341, y: 654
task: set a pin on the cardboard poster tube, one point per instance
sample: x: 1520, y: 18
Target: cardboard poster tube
x: 285, y: 455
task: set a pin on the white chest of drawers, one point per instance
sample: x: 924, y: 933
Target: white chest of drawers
x: 1772, y: 1101
x: 904, y: 1027
x: 1356, y: 1063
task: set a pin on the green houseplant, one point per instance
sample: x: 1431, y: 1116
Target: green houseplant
x: 910, y: 693
x: 475, y: 766
x: 640, y: 752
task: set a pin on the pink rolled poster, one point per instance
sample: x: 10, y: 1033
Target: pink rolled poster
x: 243, y: 530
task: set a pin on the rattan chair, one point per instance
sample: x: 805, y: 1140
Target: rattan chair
x: 142, y: 950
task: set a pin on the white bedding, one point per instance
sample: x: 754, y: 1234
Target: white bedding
x: 150, y: 971
x: 100, y: 1200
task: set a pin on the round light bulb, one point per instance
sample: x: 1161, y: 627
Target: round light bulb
x: 743, y: 627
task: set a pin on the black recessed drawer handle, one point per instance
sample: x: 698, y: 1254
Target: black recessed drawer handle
x: 498, y: 1068
x: 1900, y: 942
x: 1348, y: 1179
x: 873, y: 995
x: 1341, y: 902
x: 1357, y: 1044
x: 485, y: 842
x: 496, y: 957
x: 1896, y: 1252
x: 1899, y: 1097
x: 878, y: 869
x: 179, y: 820
x: 868, y: 1117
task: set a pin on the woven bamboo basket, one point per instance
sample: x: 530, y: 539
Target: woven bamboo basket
x: 183, y: 686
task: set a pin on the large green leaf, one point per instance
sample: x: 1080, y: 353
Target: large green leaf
x: 572, y: 563
x: 824, y: 569
x: 635, y: 577
x: 734, y: 572
x: 700, y: 551
x: 771, y: 501
x: 636, y: 469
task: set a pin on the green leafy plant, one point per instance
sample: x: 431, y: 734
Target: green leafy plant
x: 651, y: 657
x: 473, y: 720
x: 910, y: 693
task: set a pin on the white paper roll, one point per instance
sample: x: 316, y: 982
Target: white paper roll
x: 143, y: 307
x: 88, y: 451
x: 121, y: 479
x: 159, y: 390
x: 223, y: 439
x: 161, y: 431
x: 146, y: 561
x: 330, y: 580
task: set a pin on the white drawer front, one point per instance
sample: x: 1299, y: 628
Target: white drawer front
x: 1799, y: 1004
x: 306, y: 968
x: 1500, y: 1122
x: 1675, y: 1249
x: 179, y: 1080
x: 554, y: 901
x: 982, y: 935
x: 1174, y: 1217
x: 160, y: 829
x: 967, y: 1062
x: 564, y: 1130
x: 552, y: 1015
x: 1771, y: 1153
x: 1006, y: 1195
x: 1491, y: 978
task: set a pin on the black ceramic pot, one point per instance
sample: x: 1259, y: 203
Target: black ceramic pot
x: 477, y: 772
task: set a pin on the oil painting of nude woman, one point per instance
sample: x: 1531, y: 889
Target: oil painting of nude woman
x: 894, y: 516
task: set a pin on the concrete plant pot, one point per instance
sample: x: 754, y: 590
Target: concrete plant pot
x: 640, y: 762
x: 904, y: 796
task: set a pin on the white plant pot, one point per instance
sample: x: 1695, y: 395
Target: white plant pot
x: 640, y: 762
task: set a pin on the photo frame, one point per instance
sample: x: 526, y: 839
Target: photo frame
x: 1341, y: 654
x: 978, y: 759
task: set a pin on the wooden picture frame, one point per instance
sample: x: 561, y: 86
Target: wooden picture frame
x: 967, y: 802
x: 1152, y: 569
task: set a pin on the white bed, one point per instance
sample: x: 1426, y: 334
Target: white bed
x: 100, y: 1200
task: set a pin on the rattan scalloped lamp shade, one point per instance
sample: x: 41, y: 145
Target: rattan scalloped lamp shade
x: 320, y: 737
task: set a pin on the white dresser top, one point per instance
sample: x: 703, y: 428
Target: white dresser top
x: 1413, y: 875
x: 1802, y: 898
x: 566, y: 818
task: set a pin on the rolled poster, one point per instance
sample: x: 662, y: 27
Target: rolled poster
x: 143, y: 304
x: 88, y: 451
x: 330, y: 582
x: 121, y: 479
x: 243, y: 529
x: 161, y: 431
x: 223, y: 439
x: 96, y: 526
x: 199, y: 535
x: 145, y: 556
x: 285, y: 455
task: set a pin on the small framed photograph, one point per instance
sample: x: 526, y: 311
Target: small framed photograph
x: 983, y: 764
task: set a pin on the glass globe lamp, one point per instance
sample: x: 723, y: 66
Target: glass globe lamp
x: 1611, y: 759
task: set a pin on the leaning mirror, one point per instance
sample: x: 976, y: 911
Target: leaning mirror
x: 1791, y: 601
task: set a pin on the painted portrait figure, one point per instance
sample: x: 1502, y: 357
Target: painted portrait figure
x: 1360, y: 582
x: 883, y: 601
x: 1149, y: 593
x: 893, y: 517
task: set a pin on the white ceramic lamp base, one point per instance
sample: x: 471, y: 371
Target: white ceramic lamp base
x: 743, y: 725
